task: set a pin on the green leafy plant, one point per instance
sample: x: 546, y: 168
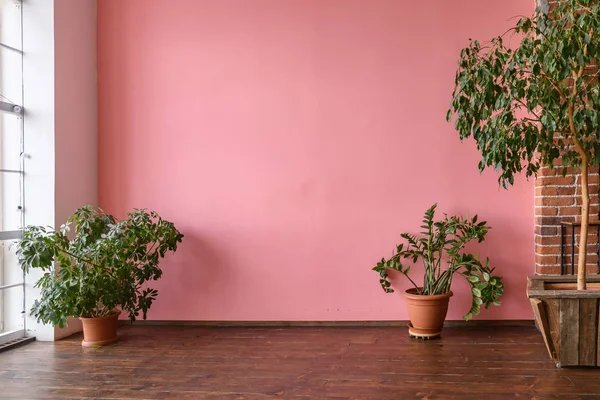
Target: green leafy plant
x: 102, y: 266
x: 440, y: 248
x: 538, y: 102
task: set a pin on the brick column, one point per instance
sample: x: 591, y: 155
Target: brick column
x: 557, y: 199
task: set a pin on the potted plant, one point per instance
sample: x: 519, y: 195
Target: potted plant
x: 529, y: 106
x: 99, y: 270
x: 440, y: 249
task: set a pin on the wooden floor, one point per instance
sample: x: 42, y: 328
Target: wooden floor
x: 154, y: 362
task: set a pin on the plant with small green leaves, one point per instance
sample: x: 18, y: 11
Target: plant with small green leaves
x: 440, y: 249
x: 537, y: 102
x: 103, y: 266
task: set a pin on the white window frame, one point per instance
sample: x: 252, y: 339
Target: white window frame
x: 11, y: 58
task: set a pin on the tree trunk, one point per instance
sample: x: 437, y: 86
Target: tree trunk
x: 585, y: 217
x: 585, y: 195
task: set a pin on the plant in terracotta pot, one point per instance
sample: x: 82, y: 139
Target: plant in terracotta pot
x: 97, y: 267
x: 533, y: 100
x: 440, y: 249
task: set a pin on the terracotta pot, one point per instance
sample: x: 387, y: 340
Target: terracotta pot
x: 100, y: 331
x: 426, y: 313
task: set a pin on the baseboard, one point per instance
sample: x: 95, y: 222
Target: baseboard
x: 255, y: 324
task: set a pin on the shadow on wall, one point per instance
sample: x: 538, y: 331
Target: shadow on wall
x: 197, y: 267
x: 510, y: 264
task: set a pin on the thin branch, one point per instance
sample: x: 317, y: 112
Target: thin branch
x: 527, y: 108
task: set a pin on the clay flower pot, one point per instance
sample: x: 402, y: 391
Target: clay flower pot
x: 100, y: 331
x: 426, y: 313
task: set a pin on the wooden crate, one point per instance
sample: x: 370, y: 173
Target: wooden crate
x: 567, y: 318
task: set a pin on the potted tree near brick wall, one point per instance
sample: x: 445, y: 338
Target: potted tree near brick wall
x: 536, y: 104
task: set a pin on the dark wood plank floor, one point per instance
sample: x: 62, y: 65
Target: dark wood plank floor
x: 158, y: 362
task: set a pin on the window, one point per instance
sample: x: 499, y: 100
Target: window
x: 12, y: 321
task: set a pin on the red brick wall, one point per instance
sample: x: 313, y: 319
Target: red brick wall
x: 558, y: 199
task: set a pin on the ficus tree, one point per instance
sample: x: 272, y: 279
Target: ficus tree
x: 530, y: 97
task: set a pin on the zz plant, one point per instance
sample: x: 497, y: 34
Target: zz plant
x: 537, y: 101
x: 440, y: 249
x: 102, y: 266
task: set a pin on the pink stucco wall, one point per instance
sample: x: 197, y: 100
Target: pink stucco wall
x: 292, y: 141
x: 75, y: 114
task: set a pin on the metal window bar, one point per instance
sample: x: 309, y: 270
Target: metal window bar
x: 11, y: 108
x: 10, y: 235
x: 11, y: 286
x: 563, y: 231
x: 7, y: 47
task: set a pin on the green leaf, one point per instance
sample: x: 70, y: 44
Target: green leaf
x: 441, y: 248
x: 511, y: 101
x: 101, y: 267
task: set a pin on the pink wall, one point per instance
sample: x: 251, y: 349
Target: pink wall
x: 76, y: 105
x: 292, y: 141
x: 75, y: 114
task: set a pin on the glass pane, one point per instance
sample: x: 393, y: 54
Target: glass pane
x: 10, y: 23
x: 10, y: 271
x: 10, y: 141
x: 11, y: 309
x: 10, y: 199
x: 11, y: 299
x: 11, y: 70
